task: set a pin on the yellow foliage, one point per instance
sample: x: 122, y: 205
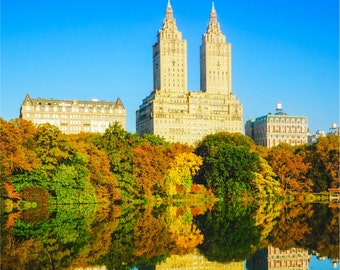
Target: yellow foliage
x: 182, y: 169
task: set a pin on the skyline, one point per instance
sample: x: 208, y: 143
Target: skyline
x: 283, y: 51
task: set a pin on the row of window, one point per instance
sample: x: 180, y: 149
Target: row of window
x: 287, y: 120
x: 65, y: 116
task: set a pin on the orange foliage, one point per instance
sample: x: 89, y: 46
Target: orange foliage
x: 150, y: 165
x: 11, y: 219
x: 292, y: 226
x: 290, y: 169
x: 16, y: 147
x: 151, y: 236
x: 195, y: 211
x: 195, y: 188
x: 10, y: 191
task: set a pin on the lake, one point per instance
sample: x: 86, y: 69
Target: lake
x: 178, y: 235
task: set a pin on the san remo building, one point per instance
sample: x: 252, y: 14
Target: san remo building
x: 171, y: 110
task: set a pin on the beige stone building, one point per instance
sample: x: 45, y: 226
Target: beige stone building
x: 272, y: 258
x: 74, y: 116
x: 272, y: 129
x: 196, y: 261
x: 179, y: 115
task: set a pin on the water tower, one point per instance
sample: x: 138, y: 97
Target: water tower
x: 279, y: 108
x: 334, y: 129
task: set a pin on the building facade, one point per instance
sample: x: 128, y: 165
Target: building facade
x: 272, y: 258
x: 74, y: 116
x: 272, y: 129
x: 179, y: 115
x: 196, y: 261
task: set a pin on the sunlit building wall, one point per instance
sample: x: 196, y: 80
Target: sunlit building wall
x: 74, y: 116
x: 273, y: 258
x: 272, y: 129
x: 294, y: 258
x: 197, y: 261
x: 179, y: 115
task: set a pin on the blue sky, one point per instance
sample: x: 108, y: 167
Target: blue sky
x: 282, y: 51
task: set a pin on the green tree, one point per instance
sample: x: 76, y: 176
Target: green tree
x: 229, y: 163
x: 51, y: 147
x: 228, y: 169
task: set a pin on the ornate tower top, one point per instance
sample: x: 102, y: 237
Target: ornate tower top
x: 213, y: 25
x: 169, y: 28
x: 213, y: 14
x: 169, y: 11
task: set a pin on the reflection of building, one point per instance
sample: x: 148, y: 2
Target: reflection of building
x: 90, y: 268
x: 196, y: 261
x: 273, y: 258
x: 334, y: 261
x: 272, y: 129
x: 176, y: 114
x: 74, y: 116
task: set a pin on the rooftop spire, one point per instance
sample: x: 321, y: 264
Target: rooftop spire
x: 213, y: 14
x: 169, y: 11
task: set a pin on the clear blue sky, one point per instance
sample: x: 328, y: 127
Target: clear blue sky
x: 282, y: 51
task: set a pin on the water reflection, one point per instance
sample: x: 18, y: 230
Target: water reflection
x: 176, y: 236
x: 274, y: 258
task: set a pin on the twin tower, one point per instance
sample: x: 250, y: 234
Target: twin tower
x: 179, y: 115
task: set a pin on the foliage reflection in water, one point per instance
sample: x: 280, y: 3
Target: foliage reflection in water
x: 175, y: 235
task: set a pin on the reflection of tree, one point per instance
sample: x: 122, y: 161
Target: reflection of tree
x: 101, y: 230
x: 124, y: 236
x: 152, y: 238
x: 325, y: 231
x: 266, y: 215
x: 229, y: 232
x: 121, y: 249
x: 292, y: 226
x: 51, y: 244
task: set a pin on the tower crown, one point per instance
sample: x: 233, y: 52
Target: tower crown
x: 213, y: 25
x: 169, y: 22
x: 169, y: 12
x: 213, y: 14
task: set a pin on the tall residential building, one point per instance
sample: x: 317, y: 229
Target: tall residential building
x: 74, y: 116
x: 272, y: 129
x: 179, y: 115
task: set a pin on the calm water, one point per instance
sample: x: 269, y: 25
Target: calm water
x: 182, y: 236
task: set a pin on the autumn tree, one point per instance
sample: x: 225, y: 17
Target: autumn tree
x: 16, y: 147
x: 324, y: 159
x: 150, y: 166
x: 51, y: 147
x: 118, y: 144
x: 98, y: 164
x: 264, y: 184
x: 181, y: 172
x: 290, y: 168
